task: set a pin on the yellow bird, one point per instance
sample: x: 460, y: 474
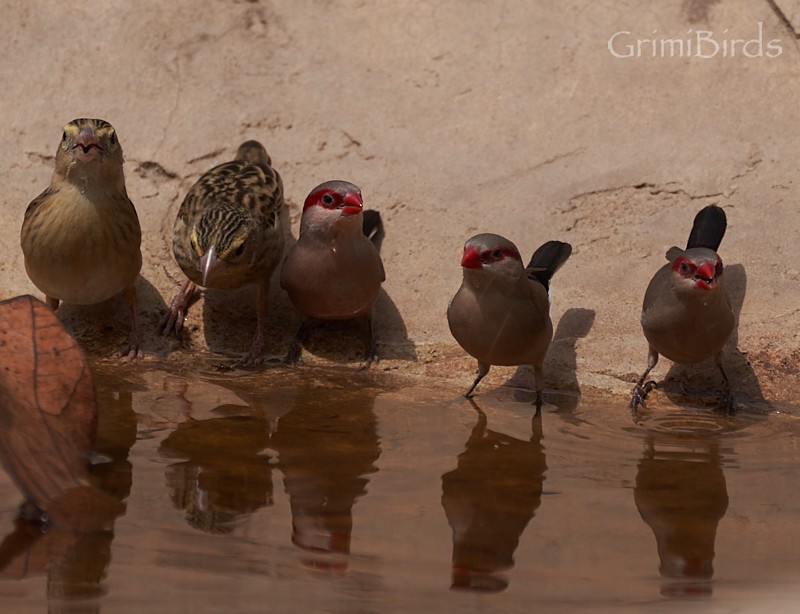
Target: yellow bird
x: 81, y: 237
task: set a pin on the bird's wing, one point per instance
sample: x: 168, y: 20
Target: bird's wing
x: 51, y: 191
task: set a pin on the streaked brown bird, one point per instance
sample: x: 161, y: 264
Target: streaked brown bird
x: 686, y: 313
x: 501, y: 313
x: 228, y: 234
x: 81, y: 237
x: 334, y: 271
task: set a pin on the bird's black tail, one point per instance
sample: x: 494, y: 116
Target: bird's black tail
x: 708, y: 228
x: 372, y: 224
x: 547, y: 260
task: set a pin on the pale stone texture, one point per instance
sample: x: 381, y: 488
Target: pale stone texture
x: 455, y: 118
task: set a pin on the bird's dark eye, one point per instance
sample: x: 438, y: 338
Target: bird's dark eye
x: 64, y: 136
x: 684, y: 267
x: 113, y: 138
x: 496, y: 254
x: 718, y: 268
x: 239, y: 250
x: 327, y: 199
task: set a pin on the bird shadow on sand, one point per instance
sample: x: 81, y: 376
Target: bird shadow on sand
x: 104, y: 328
x: 561, y: 365
x: 688, y: 382
x: 346, y: 340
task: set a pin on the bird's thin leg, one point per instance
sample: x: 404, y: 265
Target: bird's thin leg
x: 538, y: 377
x: 293, y: 356
x: 52, y: 302
x: 372, y: 346
x: 173, y: 319
x: 726, y: 400
x: 483, y: 369
x: 131, y: 351
x: 256, y: 354
x: 641, y: 389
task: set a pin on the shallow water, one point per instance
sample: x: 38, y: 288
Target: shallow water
x: 333, y: 490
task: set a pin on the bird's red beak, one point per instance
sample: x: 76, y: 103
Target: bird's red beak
x: 705, y: 276
x: 471, y: 258
x: 87, y: 145
x: 352, y: 204
x: 211, y: 266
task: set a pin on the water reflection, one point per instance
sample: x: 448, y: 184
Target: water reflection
x: 489, y: 498
x: 323, y: 439
x: 327, y: 445
x: 681, y: 494
x: 225, y: 476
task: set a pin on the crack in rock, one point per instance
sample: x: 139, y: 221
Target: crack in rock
x: 788, y: 13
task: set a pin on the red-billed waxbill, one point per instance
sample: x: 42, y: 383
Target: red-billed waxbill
x: 229, y: 233
x: 686, y: 314
x: 501, y: 313
x: 334, y: 271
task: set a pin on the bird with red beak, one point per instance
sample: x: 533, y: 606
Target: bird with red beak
x: 501, y: 313
x: 686, y: 313
x: 334, y: 271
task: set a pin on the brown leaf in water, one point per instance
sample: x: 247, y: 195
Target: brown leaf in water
x: 48, y: 410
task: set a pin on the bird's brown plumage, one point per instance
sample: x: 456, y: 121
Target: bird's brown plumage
x: 501, y: 313
x: 229, y: 233
x: 81, y: 237
x: 334, y: 271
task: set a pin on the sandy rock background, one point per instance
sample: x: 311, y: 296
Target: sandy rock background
x: 455, y: 117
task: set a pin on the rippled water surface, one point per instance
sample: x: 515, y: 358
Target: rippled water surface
x: 343, y: 491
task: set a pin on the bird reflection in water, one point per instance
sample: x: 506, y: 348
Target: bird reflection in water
x: 681, y: 494
x: 489, y: 498
x: 327, y: 446
x: 225, y: 477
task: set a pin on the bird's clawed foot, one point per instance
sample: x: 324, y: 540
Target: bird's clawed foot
x: 131, y: 352
x: 294, y: 356
x: 172, y: 321
x: 726, y: 401
x: 371, y: 355
x: 295, y: 353
x: 640, y: 392
x: 255, y: 357
x: 251, y: 360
